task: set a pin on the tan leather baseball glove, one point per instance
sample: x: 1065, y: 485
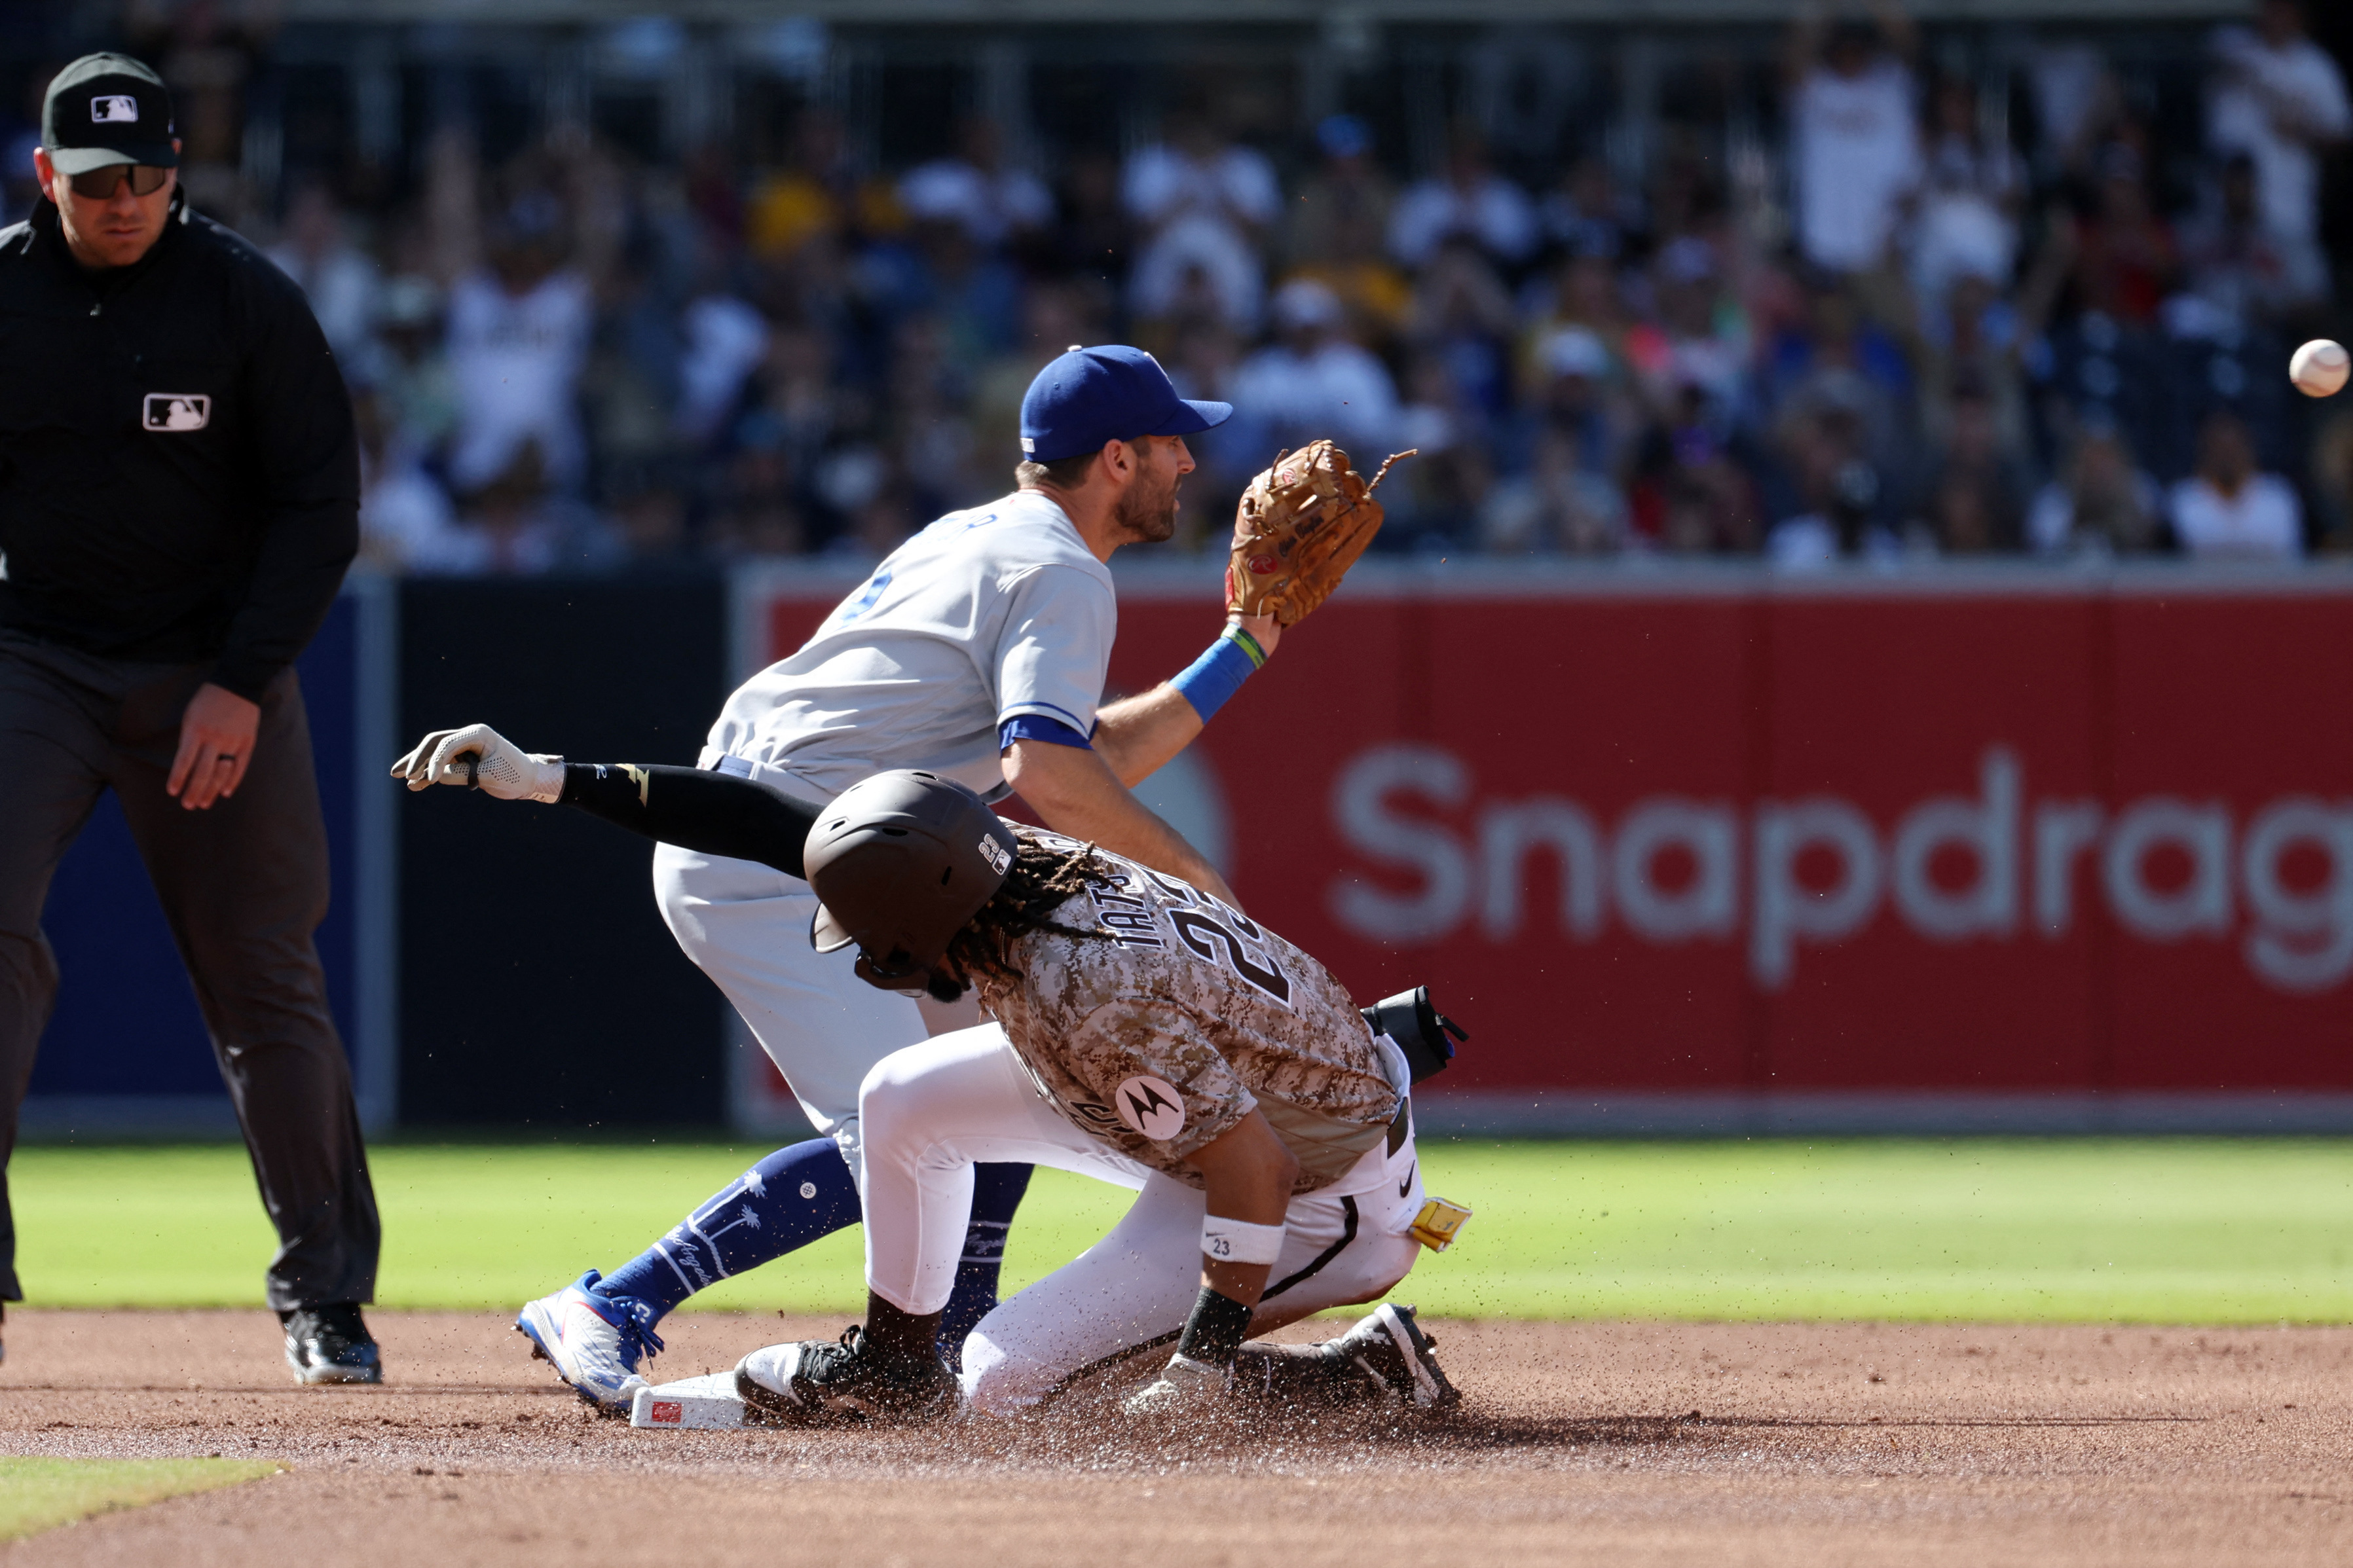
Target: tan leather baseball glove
x: 1301, y: 524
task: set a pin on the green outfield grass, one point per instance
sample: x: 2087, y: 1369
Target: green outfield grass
x: 2144, y: 1230
x: 38, y: 1494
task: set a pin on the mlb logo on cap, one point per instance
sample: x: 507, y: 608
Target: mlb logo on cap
x: 104, y: 109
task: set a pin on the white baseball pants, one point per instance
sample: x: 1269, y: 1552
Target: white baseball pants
x: 747, y: 926
x: 931, y: 1111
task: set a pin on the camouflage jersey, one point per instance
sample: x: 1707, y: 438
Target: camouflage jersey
x: 1164, y: 1033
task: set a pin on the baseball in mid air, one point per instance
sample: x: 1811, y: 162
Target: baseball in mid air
x: 2319, y: 368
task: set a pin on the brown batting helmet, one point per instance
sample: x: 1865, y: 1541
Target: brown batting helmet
x: 900, y: 862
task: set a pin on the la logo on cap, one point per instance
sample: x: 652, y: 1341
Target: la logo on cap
x: 113, y: 108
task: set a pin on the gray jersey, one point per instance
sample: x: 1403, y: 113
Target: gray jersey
x: 985, y: 615
x: 1183, y: 1019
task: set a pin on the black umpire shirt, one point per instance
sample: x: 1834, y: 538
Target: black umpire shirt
x: 179, y: 478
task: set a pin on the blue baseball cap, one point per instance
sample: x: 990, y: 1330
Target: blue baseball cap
x: 1114, y: 393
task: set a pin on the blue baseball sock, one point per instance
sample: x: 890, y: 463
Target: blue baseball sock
x: 798, y: 1196
x: 997, y: 1192
x: 781, y: 1205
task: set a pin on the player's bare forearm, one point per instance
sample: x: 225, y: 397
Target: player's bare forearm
x: 1076, y: 793
x: 1137, y: 735
x: 1249, y: 1175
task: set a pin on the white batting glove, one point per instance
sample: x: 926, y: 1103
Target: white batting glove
x: 480, y: 757
x: 1184, y: 1388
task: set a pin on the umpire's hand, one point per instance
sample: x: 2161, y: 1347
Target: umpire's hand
x: 215, y: 746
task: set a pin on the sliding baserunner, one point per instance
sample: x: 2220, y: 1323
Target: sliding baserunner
x: 979, y: 649
x: 1141, y: 1021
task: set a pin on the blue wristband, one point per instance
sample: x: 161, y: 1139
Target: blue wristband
x: 1210, y: 680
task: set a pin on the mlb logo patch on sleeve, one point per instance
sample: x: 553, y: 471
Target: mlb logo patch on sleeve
x: 177, y: 411
x: 112, y: 108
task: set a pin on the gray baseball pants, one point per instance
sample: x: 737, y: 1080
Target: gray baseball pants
x: 244, y: 885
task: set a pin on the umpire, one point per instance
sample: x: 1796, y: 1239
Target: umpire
x: 179, y: 497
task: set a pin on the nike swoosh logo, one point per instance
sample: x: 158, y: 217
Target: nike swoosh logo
x: 1406, y: 1185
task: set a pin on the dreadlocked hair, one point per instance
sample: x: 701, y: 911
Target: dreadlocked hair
x: 1042, y: 879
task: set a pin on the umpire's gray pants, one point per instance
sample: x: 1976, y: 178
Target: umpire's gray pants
x: 244, y: 885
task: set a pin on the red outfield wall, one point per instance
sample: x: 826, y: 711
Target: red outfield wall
x: 1725, y: 835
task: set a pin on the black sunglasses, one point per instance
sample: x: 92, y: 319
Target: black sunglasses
x: 100, y: 184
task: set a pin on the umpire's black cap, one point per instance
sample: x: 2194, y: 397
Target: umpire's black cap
x: 107, y: 108
x: 900, y: 862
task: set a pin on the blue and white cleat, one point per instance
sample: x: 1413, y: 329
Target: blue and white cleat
x: 594, y: 1341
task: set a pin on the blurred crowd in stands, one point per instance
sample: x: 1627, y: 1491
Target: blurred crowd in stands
x: 1901, y: 329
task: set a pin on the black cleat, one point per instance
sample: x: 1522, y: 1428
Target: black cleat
x: 330, y: 1344
x: 821, y: 1383
x: 1396, y: 1357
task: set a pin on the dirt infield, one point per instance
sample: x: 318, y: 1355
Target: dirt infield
x: 1625, y: 1444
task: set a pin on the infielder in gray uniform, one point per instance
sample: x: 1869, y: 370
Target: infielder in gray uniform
x: 976, y: 650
